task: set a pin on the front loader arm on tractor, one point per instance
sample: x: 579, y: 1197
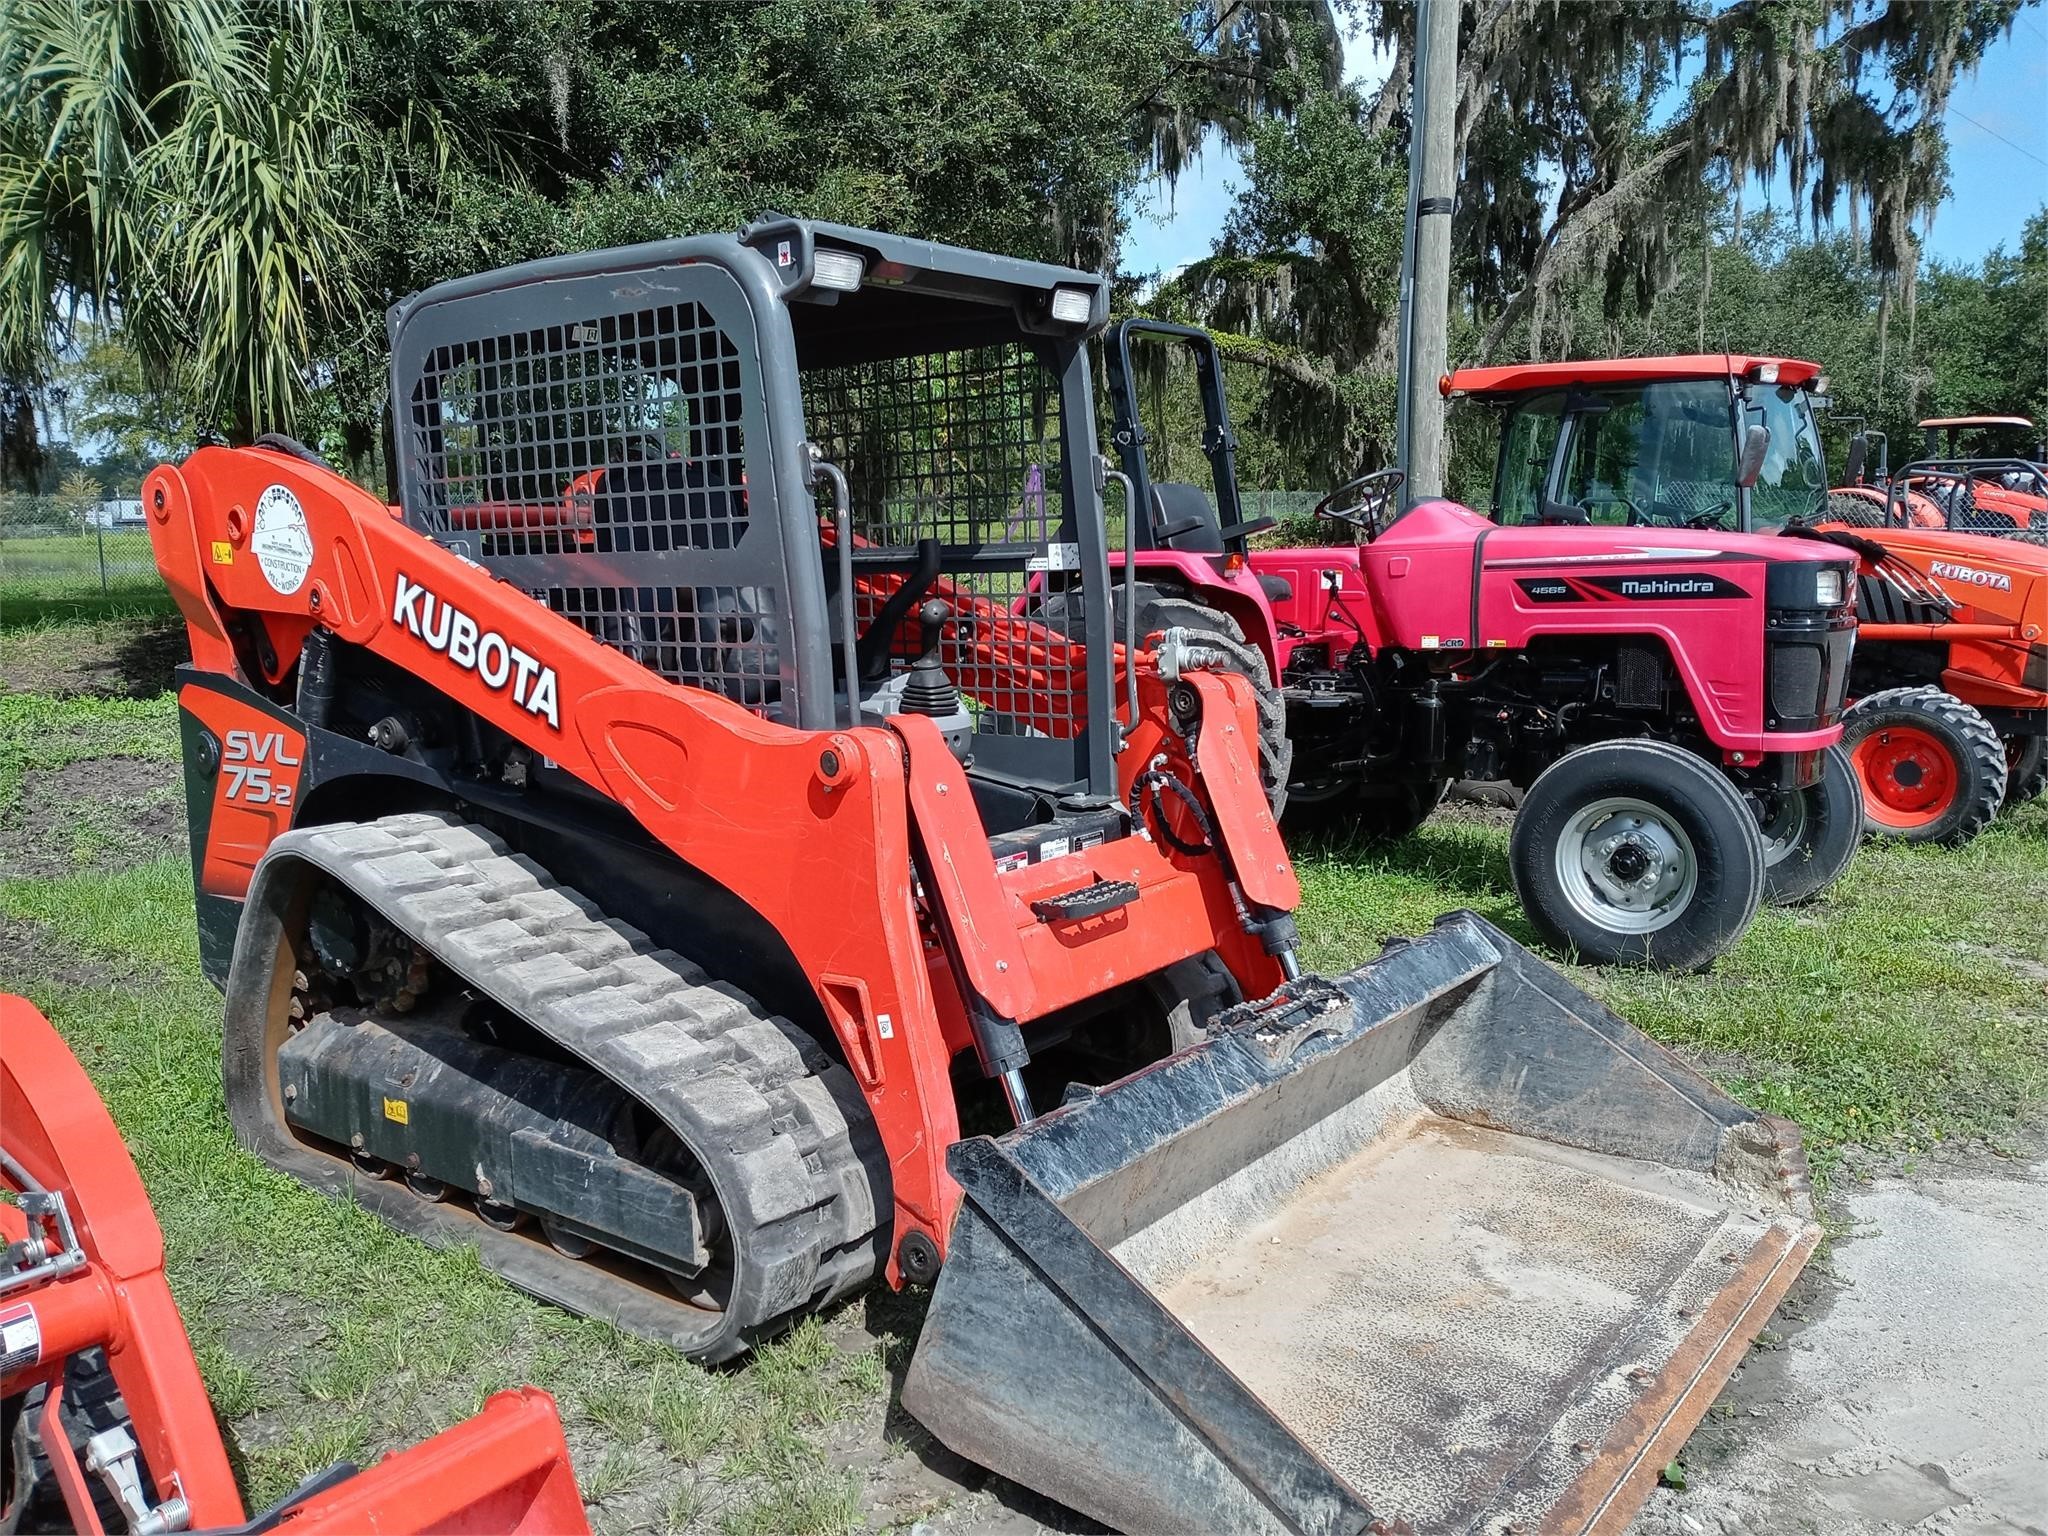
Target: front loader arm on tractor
x: 660, y: 751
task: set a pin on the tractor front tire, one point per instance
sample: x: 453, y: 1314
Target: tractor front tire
x: 1811, y: 834
x: 1161, y: 609
x: 2026, y: 769
x: 1637, y: 853
x: 1932, y: 770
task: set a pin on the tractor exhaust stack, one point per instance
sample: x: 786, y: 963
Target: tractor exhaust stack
x: 1443, y: 1240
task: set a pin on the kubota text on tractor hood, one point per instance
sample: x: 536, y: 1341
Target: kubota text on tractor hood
x: 1443, y: 1240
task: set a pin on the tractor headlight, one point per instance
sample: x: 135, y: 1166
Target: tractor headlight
x: 1827, y: 588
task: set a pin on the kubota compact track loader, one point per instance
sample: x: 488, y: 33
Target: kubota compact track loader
x: 620, y: 860
x: 1949, y: 682
x: 104, y: 1421
x: 1670, y: 700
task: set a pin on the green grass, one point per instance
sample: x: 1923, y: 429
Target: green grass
x: 23, y: 610
x: 39, y: 733
x: 76, y: 566
x: 1905, y: 1008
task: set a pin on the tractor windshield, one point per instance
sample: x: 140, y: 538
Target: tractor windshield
x: 1793, y: 485
x: 1657, y: 453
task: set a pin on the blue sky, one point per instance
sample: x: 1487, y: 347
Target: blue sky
x: 1998, y: 163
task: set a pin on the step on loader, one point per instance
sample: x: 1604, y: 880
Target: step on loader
x: 641, y: 850
x: 1948, y: 718
x: 1669, y: 702
x: 104, y: 1420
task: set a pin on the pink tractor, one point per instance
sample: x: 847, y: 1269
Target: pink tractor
x: 1669, y: 697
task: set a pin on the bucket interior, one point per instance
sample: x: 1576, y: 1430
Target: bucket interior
x: 1452, y: 1245
x: 1442, y: 1311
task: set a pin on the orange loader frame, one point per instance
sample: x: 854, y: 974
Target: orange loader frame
x: 99, y: 1284
x: 679, y: 759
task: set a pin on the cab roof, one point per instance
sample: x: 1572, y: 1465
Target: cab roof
x: 1527, y: 378
x: 1979, y: 421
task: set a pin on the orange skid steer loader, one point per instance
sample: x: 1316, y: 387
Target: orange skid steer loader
x: 104, y: 1421
x: 646, y: 881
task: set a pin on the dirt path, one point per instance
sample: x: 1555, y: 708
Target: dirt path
x: 1913, y: 1397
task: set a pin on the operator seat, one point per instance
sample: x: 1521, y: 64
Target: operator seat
x: 1184, y: 519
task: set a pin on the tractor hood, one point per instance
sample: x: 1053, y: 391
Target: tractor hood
x: 1443, y: 578
x: 1990, y: 580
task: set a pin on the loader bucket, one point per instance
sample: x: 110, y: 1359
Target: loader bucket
x: 1441, y: 1241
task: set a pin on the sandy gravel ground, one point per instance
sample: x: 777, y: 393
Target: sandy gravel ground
x: 1915, y: 1395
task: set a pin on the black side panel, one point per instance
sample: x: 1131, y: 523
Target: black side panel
x: 339, y: 776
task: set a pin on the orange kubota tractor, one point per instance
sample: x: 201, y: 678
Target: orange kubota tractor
x: 104, y: 1421
x: 1984, y: 491
x: 648, y: 895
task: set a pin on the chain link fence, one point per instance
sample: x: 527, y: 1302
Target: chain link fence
x: 62, y: 549
x: 57, y: 549
x: 1294, y: 520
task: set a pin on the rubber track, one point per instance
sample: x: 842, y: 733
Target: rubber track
x: 781, y: 1129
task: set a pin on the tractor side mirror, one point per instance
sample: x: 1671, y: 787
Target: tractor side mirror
x: 1756, y: 442
x: 1852, y: 467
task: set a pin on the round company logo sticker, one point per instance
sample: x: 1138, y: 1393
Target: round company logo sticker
x: 281, y: 542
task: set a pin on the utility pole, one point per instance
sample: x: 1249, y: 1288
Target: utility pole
x: 1426, y: 254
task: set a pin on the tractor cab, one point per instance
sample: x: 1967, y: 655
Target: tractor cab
x: 1977, y: 474
x: 1701, y: 443
x: 830, y: 474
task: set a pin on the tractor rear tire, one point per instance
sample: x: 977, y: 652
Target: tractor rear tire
x: 1932, y: 770
x: 1162, y: 608
x: 1637, y: 853
x: 1813, y: 833
x: 2026, y: 769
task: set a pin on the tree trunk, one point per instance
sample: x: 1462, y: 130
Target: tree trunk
x: 21, y: 448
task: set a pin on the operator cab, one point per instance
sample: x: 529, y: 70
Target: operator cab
x: 1713, y: 443
x: 1983, y: 437
x: 881, y: 529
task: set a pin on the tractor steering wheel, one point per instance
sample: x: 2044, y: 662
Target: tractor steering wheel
x: 1360, y: 500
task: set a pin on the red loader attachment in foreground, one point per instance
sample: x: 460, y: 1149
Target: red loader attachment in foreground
x: 85, y: 1310
x: 1441, y: 1240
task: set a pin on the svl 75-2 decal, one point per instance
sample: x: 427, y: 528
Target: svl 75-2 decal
x: 252, y: 760
x: 243, y: 797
